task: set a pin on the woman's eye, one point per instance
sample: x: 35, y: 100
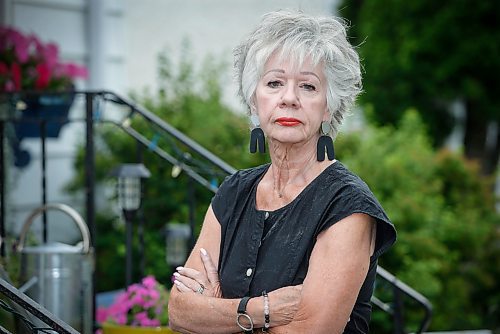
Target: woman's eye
x: 308, y: 87
x: 274, y: 84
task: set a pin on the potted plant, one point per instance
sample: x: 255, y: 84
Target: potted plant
x: 39, y: 83
x: 142, y: 308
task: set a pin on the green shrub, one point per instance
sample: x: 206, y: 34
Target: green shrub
x: 444, y: 212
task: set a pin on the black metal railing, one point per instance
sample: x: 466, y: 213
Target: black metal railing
x: 25, y: 308
x: 398, y: 291
x: 200, y: 165
x: 182, y: 158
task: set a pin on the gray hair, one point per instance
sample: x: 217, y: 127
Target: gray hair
x: 296, y: 36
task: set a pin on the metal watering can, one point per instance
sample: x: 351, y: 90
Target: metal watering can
x: 59, y: 276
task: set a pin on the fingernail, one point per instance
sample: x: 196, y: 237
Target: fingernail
x: 177, y: 283
x: 203, y: 251
x: 177, y: 274
x: 179, y: 268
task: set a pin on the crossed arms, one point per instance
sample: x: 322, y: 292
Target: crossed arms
x: 322, y: 304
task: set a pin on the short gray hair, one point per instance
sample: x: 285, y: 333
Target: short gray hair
x: 295, y: 35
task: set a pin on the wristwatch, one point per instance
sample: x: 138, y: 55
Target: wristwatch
x: 242, y: 313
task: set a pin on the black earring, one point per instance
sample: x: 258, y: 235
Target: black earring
x: 257, y: 137
x: 325, y: 144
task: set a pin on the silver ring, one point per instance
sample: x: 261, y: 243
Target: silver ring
x: 200, y: 289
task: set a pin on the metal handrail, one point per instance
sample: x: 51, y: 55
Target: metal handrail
x: 400, y: 287
x: 37, y: 310
x: 154, y: 119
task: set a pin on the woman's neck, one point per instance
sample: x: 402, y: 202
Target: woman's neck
x: 293, y: 168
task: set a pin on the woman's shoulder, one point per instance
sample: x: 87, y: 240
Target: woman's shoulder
x: 354, y: 195
x: 242, y: 179
x: 350, y: 194
x: 339, y: 176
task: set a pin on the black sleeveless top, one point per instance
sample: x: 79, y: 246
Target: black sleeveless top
x: 262, y: 250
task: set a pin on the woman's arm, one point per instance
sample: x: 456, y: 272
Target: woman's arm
x: 194, y: 313
x: 190, y: 312
x: 337, y: 269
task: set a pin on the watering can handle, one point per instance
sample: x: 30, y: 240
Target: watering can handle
x: 60, y: 207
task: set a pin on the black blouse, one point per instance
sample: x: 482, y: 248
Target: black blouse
x: 267, y: 250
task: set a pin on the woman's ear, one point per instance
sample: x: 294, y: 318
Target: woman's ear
x: 326, y: 115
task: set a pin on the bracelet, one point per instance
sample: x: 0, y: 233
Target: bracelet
x: 242, y: 313
x: 266, y: 312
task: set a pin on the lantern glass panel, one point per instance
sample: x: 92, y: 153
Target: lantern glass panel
x: 129, y: 192
x: 177, y: 243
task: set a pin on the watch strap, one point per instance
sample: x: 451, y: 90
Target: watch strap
x: 242, y: 307
x: 242, y: 313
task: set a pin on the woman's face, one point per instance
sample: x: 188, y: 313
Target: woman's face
x: 291, y: 102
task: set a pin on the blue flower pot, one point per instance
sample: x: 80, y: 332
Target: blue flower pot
x: 53, y: 109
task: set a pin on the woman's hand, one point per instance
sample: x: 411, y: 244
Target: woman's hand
x: 283, y: 304
x: 205, y: 283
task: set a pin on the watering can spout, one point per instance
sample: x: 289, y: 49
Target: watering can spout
x: 29, y: 284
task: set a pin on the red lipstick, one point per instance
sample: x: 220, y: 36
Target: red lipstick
x: 288, y: 121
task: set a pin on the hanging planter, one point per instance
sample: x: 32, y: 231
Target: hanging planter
x: 43, y: 111
x: 29, y: 65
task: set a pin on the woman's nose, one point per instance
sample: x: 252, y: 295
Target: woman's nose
x: 289, y: 97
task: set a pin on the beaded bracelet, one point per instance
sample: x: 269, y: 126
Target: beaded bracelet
x: 266, y: 312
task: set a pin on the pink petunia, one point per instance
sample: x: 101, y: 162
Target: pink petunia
x: 149, y: 281
x: 16, y: 76
x: 20, y: 43
x: 139, y: 302
x: 4, y: 70
x: 101, y: 314
x: 43, y: 76
x: 71, y: 70
x: 50, y: 54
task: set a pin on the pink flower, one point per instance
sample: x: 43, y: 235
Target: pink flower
x: 149, y: 282
x: 33, y: 64
x: 16, y: 75
x: 142, y: 304
x: 71, y: 70
x: 21, y: 45
x: 43, y: 76
x: 101, y: 314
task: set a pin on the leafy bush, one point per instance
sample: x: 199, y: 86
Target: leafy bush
x: 448, y: 230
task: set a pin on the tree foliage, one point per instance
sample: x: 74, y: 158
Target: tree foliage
x: 426, y: 54
x: 448, y: 231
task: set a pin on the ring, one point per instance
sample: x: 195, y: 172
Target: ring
x: 200, y: 289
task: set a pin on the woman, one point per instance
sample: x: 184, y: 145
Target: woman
x: 290, y: 246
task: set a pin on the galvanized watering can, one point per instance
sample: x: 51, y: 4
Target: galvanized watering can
x: 59, y: 276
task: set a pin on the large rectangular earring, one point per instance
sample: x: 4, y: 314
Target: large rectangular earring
x: 325, y: 143
x: 257, y: 138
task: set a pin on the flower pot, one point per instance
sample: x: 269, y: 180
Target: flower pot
x: 117, y: 329
x: 53, y: 109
